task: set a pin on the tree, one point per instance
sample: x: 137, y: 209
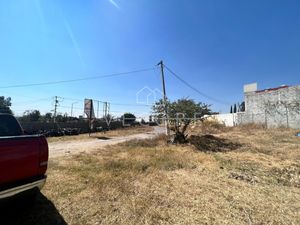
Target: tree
x: 47, y: 117
x: 5, y: 104
x: 231, y: 109
x: 159, y: 110
x: 128, y: 118
x: 234, y: 108
x: 181, y: 113
x: 31, y: 116
x: 62, y: 118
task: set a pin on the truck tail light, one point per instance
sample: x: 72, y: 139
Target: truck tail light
x: 43, y: 155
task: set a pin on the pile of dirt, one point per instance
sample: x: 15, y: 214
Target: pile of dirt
x: 212, y: 143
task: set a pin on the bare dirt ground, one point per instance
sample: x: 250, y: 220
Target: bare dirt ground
x: 106, y: 134
x: 60, y: 147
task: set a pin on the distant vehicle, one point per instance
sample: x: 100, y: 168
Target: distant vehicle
x: 23, y: 159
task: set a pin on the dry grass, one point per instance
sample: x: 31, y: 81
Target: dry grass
x: 149, y: 182
x: 207, y: 127
x: 112, y: 133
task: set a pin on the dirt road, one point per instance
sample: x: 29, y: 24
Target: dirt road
x: 61, y: 148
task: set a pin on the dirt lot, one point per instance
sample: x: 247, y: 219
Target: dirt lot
x: 65, y: 146
x: 107, y: 134
x: 234, y: 176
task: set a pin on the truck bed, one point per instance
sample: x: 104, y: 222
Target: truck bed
x: 22, y: 158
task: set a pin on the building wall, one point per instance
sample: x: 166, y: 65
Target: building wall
x: 273, y: 108
x: 228, y: 119
x: 257, y: 102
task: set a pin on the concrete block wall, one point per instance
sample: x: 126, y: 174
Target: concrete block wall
x: 272, y: 108
x: 255, y: 102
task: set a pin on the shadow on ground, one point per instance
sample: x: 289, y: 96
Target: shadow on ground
x: 103, y: 138
x: 211, y: 143
x: 23, y: 211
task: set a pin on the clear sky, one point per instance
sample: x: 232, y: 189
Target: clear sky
x: 217, y: 46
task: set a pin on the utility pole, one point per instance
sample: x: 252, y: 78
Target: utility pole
x: 55, y: 108
x: 56, y: 104
x: 161, y: 64
x: 72, y: 108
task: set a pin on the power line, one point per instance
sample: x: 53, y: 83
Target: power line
x: 195, y: 89
x: 79, y: 79
x: 112, y: 103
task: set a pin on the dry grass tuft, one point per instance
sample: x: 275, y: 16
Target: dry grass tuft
x: 207, y: 127
x: 160, y: 140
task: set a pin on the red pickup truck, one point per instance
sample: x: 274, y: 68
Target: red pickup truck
x: 23, y: 159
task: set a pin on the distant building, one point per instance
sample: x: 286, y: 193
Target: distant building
x: 273, y: 107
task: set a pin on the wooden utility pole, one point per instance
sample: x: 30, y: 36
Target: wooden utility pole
x: 161, y: 64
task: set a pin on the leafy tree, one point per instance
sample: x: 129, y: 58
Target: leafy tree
x: 159, y: 110
x: 128, y: 118
x: 31, y: 116
x: 47, y: 117
x: 181, y: 113
x: 5, y: 104
x: 62, y: 118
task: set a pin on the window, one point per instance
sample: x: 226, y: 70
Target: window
x: 9, y: 126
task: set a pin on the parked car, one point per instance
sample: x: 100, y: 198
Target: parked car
x: 23, y: 159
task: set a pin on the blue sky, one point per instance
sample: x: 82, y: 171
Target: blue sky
x: 217, y: 46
